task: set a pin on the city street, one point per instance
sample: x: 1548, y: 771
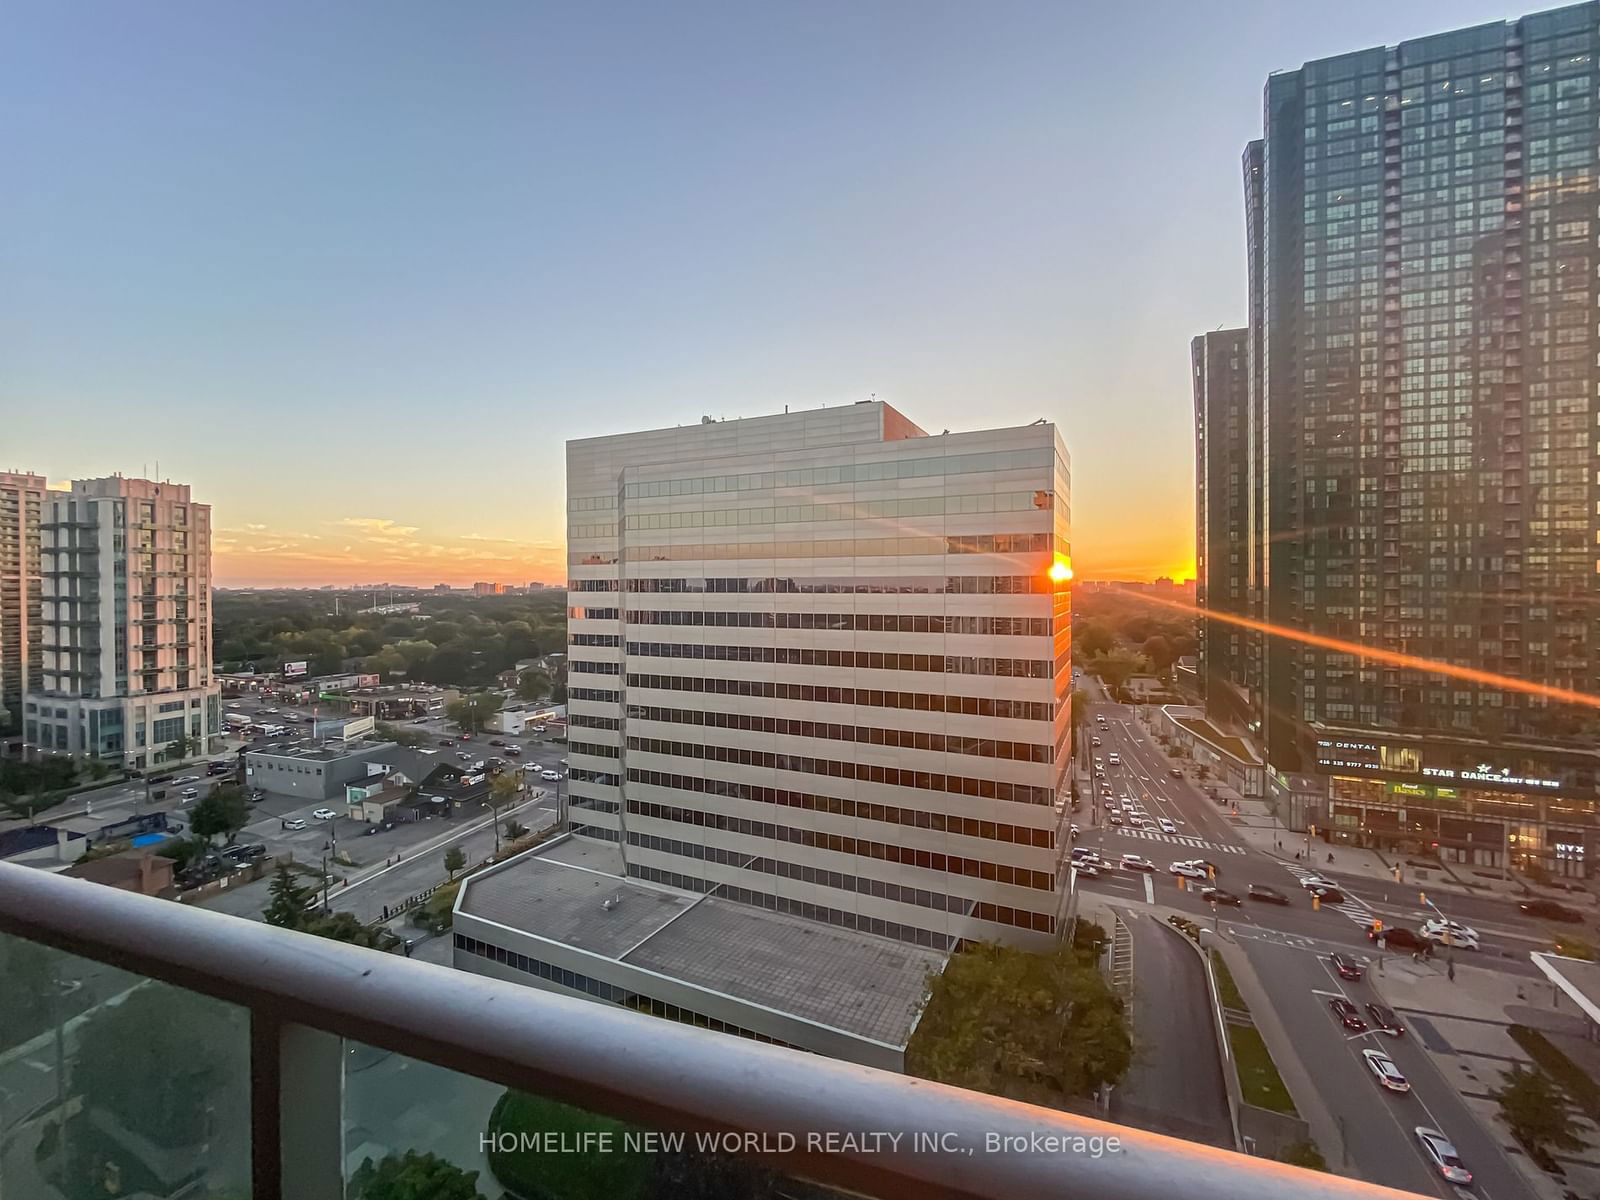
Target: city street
x: 1288, y: 946
x: 1376, y: 1126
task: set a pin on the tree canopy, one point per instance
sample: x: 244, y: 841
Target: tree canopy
x: 412, y: 1176
x: 224, y: 810
x: 1041, y: 1028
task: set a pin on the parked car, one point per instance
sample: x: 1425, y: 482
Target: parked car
x: 1215, y: 895
x: 1269, y: 895
x: 324, y: 814
x: 1136, y: 862
x: 1348, y: 1014
x: 1347, y: 967
x: 1551, y: 911
x: 1443, y: 1156
x: 1385, y: 1072
x: 1383, y: 1018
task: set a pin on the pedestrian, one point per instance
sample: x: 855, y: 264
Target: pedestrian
x: 1450, y: 971
x: 1330, y: 857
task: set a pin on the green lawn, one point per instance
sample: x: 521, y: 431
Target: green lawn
x: 1227, y: 989
x: 1259, y: 1080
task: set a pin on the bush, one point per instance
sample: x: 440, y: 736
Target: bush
x: 619, y: 1175
x: 1574, y: 947
x: 435, y: 914
x: 1303, y: 1153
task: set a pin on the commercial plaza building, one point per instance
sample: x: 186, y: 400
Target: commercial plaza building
x: 1424, y: 344
x: 820, y: 663
x: 125, y: 614
x: 21, y: 498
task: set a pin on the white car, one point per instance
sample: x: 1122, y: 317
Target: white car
x: 1114, y: 759
x: 1385, y: 1072
x: 550, y: 776
x: 1312, y: 882
x: 1450, y: 933
x: 1188, y: 869
x: 294, y: 823
x: 324, y: 814
x: 190, y: 793
x: 1443, y: 1156
x: 1128, y: 804
x: 1136, y: 862
x: 1166, y: 825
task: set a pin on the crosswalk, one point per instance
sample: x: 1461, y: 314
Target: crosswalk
x: 1351, y: 907
x: 1176, y: 839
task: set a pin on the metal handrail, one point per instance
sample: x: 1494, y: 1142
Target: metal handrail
x: 658, y: 1073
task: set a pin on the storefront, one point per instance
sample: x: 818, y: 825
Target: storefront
x: 1470, y: 827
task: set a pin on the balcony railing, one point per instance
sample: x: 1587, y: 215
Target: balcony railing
x: 146, y: 1045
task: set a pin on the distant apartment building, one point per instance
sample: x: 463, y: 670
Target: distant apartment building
x: 125, y: 616
x: 1422, y: 226
x: 820, y: 662
x: 21, y: 498
x: 1230, y: 654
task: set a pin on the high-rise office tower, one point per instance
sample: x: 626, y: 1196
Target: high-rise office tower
x: 21, y: 496
x: 820, y: 661
x: 126, y: 619
x: 1424, y: 348
x: 1229, y: 660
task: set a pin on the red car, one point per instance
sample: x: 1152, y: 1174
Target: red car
x: 1349, y: 1015
x: 1348, y: 968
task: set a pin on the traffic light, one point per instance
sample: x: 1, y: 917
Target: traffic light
x: 1377, y: 925
x: 1316, y: 903
x: 1422, y: 897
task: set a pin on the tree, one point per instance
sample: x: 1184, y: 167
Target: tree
x: 291, y: 903
x: 516, y: 831
x: 1041, y: 1028
x: 399, y: 736
x: 388, y: 662
x: 470, y: 712
x: 503, y: 788
x: 1116, y: 667
x: 416, y: 654
x: 454, y: 859
x: 179, y: 747
x: 534, y: 684
x: 412, y: 1176
x: 1160, y: 652
x: 1079, y: 703
x: 1536, y: 1111
x: 1090, y: 638
x: 224, y: 810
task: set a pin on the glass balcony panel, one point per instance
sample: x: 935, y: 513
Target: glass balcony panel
x: 404, y: 1118
x: 113, y: 1085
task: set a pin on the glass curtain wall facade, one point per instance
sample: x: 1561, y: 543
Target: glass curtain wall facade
x: 821, y: 662
x: 1229, y: 666
x: 1429, y: 215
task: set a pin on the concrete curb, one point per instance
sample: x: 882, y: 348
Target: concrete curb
x: 1302, y: 1089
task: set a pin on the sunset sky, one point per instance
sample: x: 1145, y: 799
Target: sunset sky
x: 357, y: 271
